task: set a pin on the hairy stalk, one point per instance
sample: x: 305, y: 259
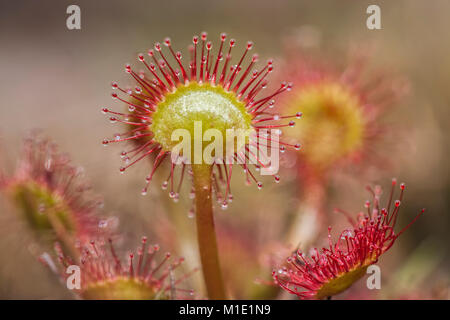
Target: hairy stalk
x: 206, y: 233
x: 62, y: 234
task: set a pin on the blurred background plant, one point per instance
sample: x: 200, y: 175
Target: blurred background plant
x: 344, y: 130
x: 54, y: 198
x: 56, y: 79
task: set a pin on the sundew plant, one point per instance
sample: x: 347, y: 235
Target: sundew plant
x: 152, y: 152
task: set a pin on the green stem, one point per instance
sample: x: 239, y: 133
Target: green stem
x: 62, y: 234
x: 206, y: 234
x: 309, y: 216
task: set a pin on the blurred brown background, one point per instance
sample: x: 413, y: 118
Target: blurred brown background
x: 56, y: 79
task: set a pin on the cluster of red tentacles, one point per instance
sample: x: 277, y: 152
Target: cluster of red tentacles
x: 163, y: 77
x: 372, y: 235
x: 100, y: 265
